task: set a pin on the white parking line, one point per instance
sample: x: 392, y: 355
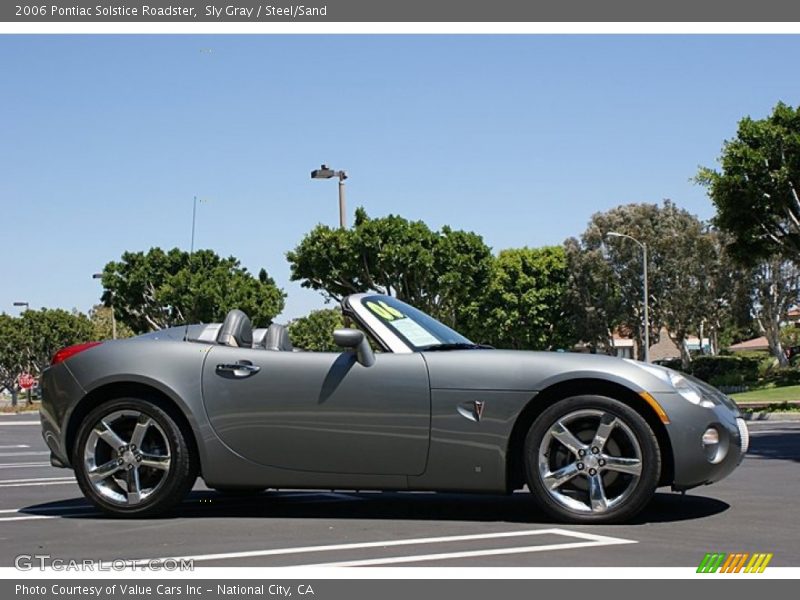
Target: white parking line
x: 760, y: 431
x: 591, y: 540
x: 35, y: 479
x: 21, y: 465
x: 4, y: 483
x: 59, y: 510
x: 14, y: 446
x: 465, y: 554
x: 35, y: 484
x: 26, y: 518
x: 20, y: 423
x: 48, y: 508
x: 4, y: 454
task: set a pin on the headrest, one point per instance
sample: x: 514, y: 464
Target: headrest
x: 236, y: 330
x: 277, y: 338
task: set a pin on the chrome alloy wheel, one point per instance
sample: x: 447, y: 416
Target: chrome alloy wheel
x: 126, y: 457
x: 589, y: 461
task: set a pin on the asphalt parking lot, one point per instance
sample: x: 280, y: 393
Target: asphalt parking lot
x: 754, y: 510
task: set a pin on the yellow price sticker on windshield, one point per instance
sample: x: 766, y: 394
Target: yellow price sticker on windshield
x: 384, y: 311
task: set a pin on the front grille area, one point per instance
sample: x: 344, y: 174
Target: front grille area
x: 744, y: 434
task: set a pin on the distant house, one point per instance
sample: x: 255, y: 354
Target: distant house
x: 621, y: 346
x: 666, y: 349
x: 755, y: 344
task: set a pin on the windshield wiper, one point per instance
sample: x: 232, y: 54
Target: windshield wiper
x: 456, y: 346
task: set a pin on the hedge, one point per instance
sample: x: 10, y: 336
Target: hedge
x: 721, y: 370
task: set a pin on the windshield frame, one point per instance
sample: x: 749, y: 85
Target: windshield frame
x: 392, y: 339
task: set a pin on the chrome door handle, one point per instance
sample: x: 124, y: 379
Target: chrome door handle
x: 240, y: 369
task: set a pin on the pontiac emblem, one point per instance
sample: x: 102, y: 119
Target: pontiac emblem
x: 478, y: 408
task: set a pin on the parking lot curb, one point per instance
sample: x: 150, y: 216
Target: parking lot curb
x: 771, y: 416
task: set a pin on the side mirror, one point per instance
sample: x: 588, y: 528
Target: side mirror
x: 355, y: 339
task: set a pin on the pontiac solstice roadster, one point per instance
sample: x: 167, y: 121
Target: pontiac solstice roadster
x: 409, y: 404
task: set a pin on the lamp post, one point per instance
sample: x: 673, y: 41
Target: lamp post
x: 645, y: 297
x: 113, y: 318
x: 325, y: 172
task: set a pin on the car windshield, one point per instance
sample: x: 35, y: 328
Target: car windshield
x: 414, y: 327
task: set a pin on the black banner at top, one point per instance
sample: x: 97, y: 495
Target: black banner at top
x: 337, y: 11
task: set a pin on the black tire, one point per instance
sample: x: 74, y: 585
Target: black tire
x: 584, y: 496
x: 164, y: 442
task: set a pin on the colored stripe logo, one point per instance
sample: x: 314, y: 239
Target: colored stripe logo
x: 737, y: 562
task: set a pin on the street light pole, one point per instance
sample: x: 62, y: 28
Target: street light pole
x: 342, y: 217
x: 113, y: 318
x: 325, y: 172
x: 646, y: 294
x: 646, y: 301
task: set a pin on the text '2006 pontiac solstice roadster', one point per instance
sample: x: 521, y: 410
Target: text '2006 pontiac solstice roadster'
x: 409, y: 404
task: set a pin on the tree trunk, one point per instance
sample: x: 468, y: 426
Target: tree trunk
x: 679, y: 339
x: 714, y: 341
x: 686, y: 358
x: 773, y: 334
x: 13, y: 391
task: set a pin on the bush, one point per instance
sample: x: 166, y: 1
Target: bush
x: 785, y: 376
x: 728, y: 380
x: 766, y: 366
x: 673, y: 363
x: 720, y: 370
x: 732, y: 370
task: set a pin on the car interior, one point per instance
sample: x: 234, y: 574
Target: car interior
x: 237, y: 331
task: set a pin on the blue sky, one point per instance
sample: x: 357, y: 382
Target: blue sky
x: 104, y: 140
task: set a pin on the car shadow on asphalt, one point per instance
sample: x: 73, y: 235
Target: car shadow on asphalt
x: 780, y: 443
x: 516, y: 508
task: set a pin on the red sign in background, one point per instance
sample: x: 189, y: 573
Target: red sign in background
x: 26, y: 381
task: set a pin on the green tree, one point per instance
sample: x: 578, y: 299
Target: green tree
x: 102, y: 325
x: 521, y: 308
x: 606, y: 285
x: 729, y: 286
x: 158, y: 289
x: 440, y: 272
x: 13, y: 354
x: 688, y: 283
x: 314, y: 332
x: 592, y: 302
x: 790, y: 336
x: 49, y: 330
x: 756, y: 189
x: 776, y: 286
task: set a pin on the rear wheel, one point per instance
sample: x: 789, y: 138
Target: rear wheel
x: 132, y: 458
x: 592, y: 459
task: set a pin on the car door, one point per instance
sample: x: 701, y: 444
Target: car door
x: 320, y: 411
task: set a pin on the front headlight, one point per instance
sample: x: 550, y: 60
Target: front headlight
x: 687, y: 389
x: 681, y: 384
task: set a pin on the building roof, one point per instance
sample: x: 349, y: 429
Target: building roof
x: 759, y: 343
x: 665, y: 348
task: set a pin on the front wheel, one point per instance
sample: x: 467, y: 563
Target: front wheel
x: 132, y: 458
x: 592, y: 459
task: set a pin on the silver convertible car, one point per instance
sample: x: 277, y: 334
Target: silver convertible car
x: 409, y: 404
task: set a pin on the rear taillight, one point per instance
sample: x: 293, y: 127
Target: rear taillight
x: 69, y: 351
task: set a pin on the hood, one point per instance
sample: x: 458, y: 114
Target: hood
x: 531, y: 371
